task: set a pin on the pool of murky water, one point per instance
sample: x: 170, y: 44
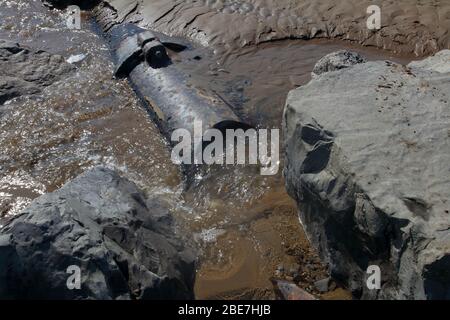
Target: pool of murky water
x: 245, y: 224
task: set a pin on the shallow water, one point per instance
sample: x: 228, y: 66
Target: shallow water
x: 245, y: 224
x: 87, y: 119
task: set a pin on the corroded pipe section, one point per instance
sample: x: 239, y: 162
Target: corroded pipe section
x: 174, y: 102
x: 134, y: 49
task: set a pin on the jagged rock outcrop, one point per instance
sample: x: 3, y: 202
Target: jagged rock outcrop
x: 123, y: 244
x: 336, y: 61
x: 367, y: 160
x: 24, y: 71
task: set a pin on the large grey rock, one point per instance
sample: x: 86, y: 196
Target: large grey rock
x: 24, y: 71
x: 123, y: 243
x: 368, y: 162
x: 336, y: 61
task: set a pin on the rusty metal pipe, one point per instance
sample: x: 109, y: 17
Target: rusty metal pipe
x: 174, y: 103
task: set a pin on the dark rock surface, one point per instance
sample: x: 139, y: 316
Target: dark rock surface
x: 123, y: 243
x: 407, y: 26
x: 367, y: 161
x: 24, y: 71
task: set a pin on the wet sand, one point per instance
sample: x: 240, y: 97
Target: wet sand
x: 408, y: 26
x: 244, y: 251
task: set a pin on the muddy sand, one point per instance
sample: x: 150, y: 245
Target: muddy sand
x: 407, y: 26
